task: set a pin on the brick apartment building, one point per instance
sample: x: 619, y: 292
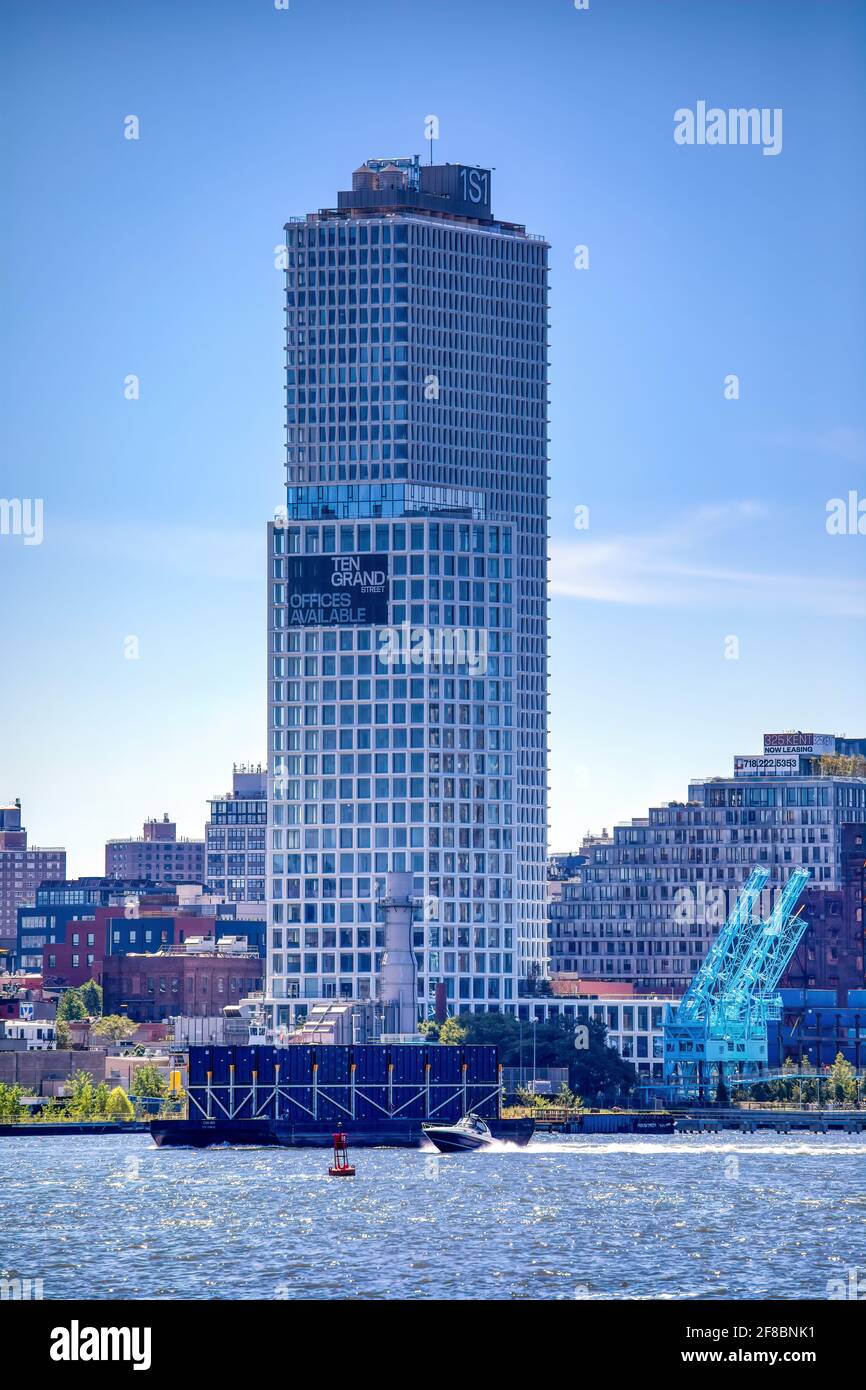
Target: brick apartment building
x: 21, y: 871
x: 158, y: 854
x: 76, y: 950
x: 150, y: 988
x: 831, y: 954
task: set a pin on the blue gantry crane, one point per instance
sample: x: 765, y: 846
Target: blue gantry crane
x: 721, y: 1020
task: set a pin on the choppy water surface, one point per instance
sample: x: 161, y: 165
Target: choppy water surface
x: 749, y: 1216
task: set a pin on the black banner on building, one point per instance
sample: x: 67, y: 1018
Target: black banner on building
x: 344, y: 590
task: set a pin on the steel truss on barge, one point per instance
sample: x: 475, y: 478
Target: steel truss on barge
x: 368, y: 1083
x: 252, y: 1100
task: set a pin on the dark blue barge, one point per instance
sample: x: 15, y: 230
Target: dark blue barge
x: 299, y: 1095
x: 361, y: 1134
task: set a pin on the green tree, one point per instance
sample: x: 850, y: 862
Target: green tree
x: 780, y: 1089
x: 53, y: 1109
x: 62, y: 1035
x: 429, y: 1028
x: 80, y: 1103
x: 148, y: 1082
x: 119, y: 1106
x: 526, y: 1096
x: 91, y: 998
x: 114, y: 1027
x: 842, y: 1081
x: 494, y: 1030
x: 723, y: 1098
x: 70, y: 1006
x: 597, y: 1070
x: 566, y: 1098
x: 785, y: 1089
x: 452, y: 1032
x: 99, y: 1108
x: 11, y: 1108
x: 807, y: 1090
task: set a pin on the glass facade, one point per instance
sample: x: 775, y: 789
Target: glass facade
x: 416, y: 437
x: 651, y: 898
x: 236, y: 839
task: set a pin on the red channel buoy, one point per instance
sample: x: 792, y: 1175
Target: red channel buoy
x: 341, y: 1167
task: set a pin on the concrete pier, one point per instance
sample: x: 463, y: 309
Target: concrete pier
x: 780, y: 1121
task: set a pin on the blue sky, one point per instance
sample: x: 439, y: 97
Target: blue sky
x: 155, y: 257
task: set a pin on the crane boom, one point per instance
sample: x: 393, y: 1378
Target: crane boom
x: 772, y: 947
x: 727, y: 952
x: 722, y: 1018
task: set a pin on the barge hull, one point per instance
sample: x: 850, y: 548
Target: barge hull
x: 401, y: 1134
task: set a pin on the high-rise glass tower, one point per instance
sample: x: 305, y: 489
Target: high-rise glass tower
x: 407, y: 663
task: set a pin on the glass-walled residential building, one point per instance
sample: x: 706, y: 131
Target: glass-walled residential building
x: 235, y: 838
x: 408, y: 609
x: 653, y: 895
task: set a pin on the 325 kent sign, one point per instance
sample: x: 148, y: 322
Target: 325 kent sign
x: 341, y: 590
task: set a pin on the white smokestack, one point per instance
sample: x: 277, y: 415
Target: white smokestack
x: 399, y: 982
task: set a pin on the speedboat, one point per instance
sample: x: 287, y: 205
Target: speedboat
x: 469, y: 1133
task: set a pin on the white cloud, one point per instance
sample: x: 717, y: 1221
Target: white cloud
x: 673, y: 567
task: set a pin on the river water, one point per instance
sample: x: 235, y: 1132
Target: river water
x: 679, y: 1217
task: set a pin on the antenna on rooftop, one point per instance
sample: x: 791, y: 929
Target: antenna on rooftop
x: 431, y: 131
